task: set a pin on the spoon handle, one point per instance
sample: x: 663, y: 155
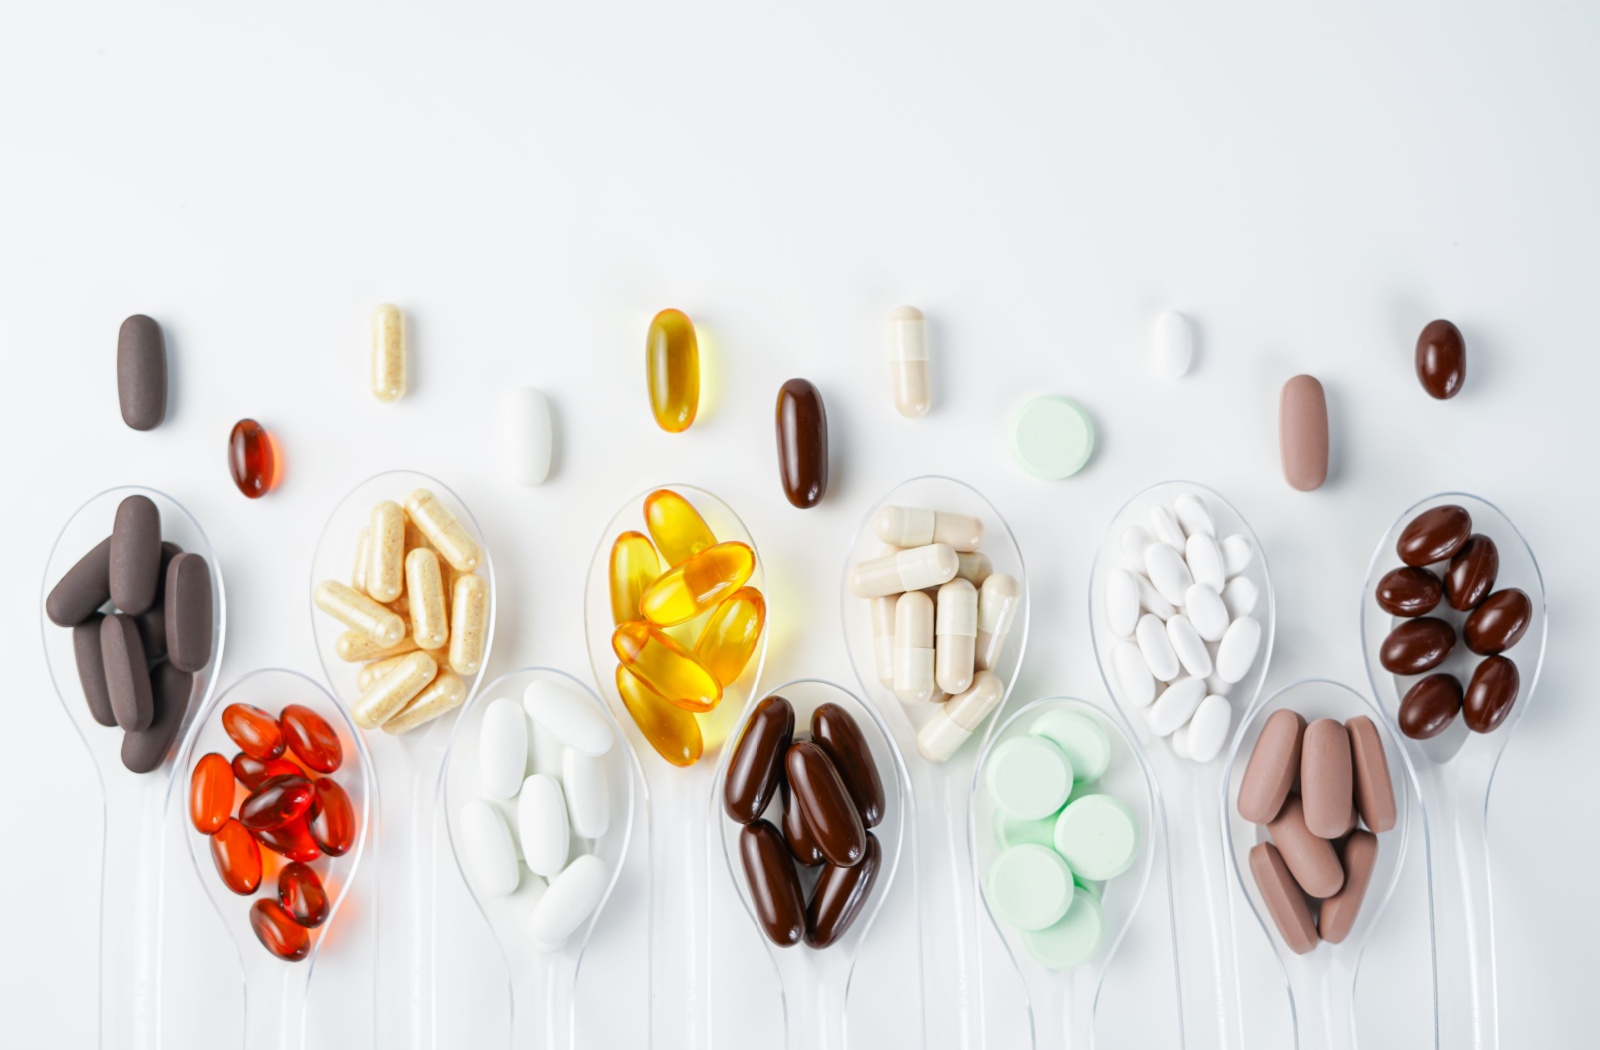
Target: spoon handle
x: 408, y: 847
x: 1455, y: 797
x: 1323, y: 994
x: 948, y: 907
x: 1061, y: 1006
x: 680, y: 962
x: 814, y: 990
x: 541, y: 1003
x: 132, y: 899
x: 274, y: 1001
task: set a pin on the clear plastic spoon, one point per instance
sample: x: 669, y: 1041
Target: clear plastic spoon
x: 1321, y: 983
x: 816, y: 982
x: 1455, y: 772
x: 133, y: 877
x: 541, y: 983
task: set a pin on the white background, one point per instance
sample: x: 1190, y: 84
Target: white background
x: 532, y: 182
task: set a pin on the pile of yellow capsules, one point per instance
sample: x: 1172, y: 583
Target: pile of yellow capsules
x: 416, y: 646
x: 686, y: 623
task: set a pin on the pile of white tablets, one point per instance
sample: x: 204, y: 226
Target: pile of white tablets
x: 546, y: 796
x: 1181, y: 611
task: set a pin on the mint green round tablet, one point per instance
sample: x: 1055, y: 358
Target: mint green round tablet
x: 1086, y: 886
x: 1098, y: 836
x: 1029, y: 887
x: 1081, y: 738
x: 1013, y: 832
x: 1028, y: 777
x: 1050, y: 437
x: 1071, y: 942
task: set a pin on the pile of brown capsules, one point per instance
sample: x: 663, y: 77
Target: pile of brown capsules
x: 141, y: 617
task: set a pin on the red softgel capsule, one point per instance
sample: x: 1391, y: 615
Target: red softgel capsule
x: 210, y: 793
x: 237, y: 857
x: 333, y: 818
x: 293, y: 840
x: 311, y: 738
x: 276, y: 802
x: 255, y: 731
x: 302, y: 896
x: 251, y: 772
x: 278, y: 932
x: 253, y: 458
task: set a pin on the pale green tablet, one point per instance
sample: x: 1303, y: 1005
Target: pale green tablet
x: 1028, y: 777
x: 1013, y: 832
x: 1080, y: 737
x: 1085, y: 886
x: 1050, y: 437
x: 1071, y: 942
x: 1029, y: 887
x: 1098, y: 836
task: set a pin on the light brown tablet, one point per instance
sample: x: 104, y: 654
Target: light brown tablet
x: 1325, y: 778
x: 1373, y: 786
x: 1311, y: 859
x: 1274, y: 763
x: 1290, y: 910
x: 1339, y: 912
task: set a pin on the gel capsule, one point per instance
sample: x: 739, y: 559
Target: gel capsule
x: 955, y: 635
x: 908, y: 361
x: 839, y: 896
x: 425, y: 599
x: 918, y: 527
x: 333, y: 818
x: 252, y: 458
x: 292, y: 840
x: 802, y: 844
x: 825, y: 803
x: 355, y: 610
x: 672, y: 359
x: 388, y: 353
x: 802, y: 443
x: 256, y: 732
x: 729, y: 637
x: 756, y: 766
x: 677, y: 528
x: 672, y: 731
x: 998, y: 600
x: 666, y: 667
x: 775, y: 892
x: 910, y: 570
x: 311, y: 738
x: 634, y: 567
x: 275, y: 803
x: 251, y: 772
x: 469, y: 618
x: 237, y: 857
x: 278, y: 932
x: 686, y: 591
x: 302, y: 896
x: 914, y: 675
x: 836, y: 732
x: 210, y: 793
x: 386, y: 551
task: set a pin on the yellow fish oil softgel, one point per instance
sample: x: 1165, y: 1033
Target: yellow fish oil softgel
x: 666, y: 667
x: 388, y: 353
x: 672, y: 361
x: 672, y: 731
x: 634, y: 567
x: 677, y: 528
x: 684, y: 592
x: 729, y: 637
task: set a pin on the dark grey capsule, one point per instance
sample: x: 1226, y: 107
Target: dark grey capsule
x: 144, y: 750
x: 92, y: 669
x: 83, y: 589
x: 127, y: 672
x: 142, y: 373
x: 188, y: 607
x: 135, y: 567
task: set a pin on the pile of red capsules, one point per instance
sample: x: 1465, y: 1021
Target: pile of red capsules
x: 283, y: 805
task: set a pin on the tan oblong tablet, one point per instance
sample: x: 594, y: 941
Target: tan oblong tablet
x: 1374, y: 788
x: 1303, y: 433
x: 1287, y: 905
x: 1325, y: 778
x: 1339, y: 912
x: 1273, y: 765
x: 1311, y: 859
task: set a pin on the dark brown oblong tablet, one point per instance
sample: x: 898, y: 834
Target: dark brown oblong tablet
x: 127, y: 672
x: 1311, y: 858
x: 1274, y: 764
x: 153, y: 621
x: 757, y: 763
x: 1490, y: 694
x: 1434, y: 535
x: 825, y: 804
x: 837, y: 733
x: 1472, y: 573
x: 780, y: 906
x: 1327, y: 778
x: 802, y: 443
x: 1286, y: 902
x: 1339, y: 912
x: 135, y: 566
x: 1430, y: 706
x: 189, y: 612
x: 1417, y: 645
x: 802, y: 844
x: 82, y: 589
x: 1498, y: 623
x: 839, y: 896
x: 145, y: 749
x: 1409, y: 592
x: 1441, y: 360
x: 1373, y: 786
x: 142, y: 373
x: 92, y: 669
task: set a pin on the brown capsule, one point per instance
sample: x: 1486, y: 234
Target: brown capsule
x: 1490, y: 694
x: 144, y: 749
x: 1417, y: 646
x: 92, y: 669
x: 1409, y: 592
x: 1434, y: 535
x: 1374, y: 787
x: 802, y: 844
x: 825, y: 804
x: 839, y: 896
x: 135, y: 565
x: 837, y: 733
x: 1338, y: 915
x: 1430, y: 706
x: 82, y: 589
x: 802, y: 443
x: 1286, y: 902
x: 1441, y: 360
x: 1498, y: 623
x: 141, y: 373
x: 1311, y: 859
x: 127, y: 672
x: 757, y: 763
x: 1472, y: 573
x: 780, y: 906
x: 188, y: 611
x: 1274, y: 764
x: 1326, y: 778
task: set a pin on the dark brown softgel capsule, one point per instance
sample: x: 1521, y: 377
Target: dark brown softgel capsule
x: 1409, y: 592
x: 92, y: 669
x: 802, y: 844
x: 1434, y: 535
x: 135, y: 565
x: 1417, y: 646
x: 839, y: 896
x: 757, y: 762
x: 774, y: 884
x: 802, y: 443
x: 1498, y: 623
x: 1490, y: 694
x: 836, y: 732
x: 127, y: 673
x: 143, y: 750
x: 188, y: 612
x: 83, y: 589
x: 142, y: 373
x: 1441, y: 360
x: 1430, y: 706
x: 1472, y: 573
x: 825, y: 804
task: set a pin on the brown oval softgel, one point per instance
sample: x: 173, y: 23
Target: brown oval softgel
x: 1472, y: 573
x: 839, y: 896
x: 1286, y: 902
x: 1311, y: 858
x: 833, y: 730
x: 1417, y: 645
x: 1441, y: 360
x: 141, y: 373
x: 1408, y: 591
x: 1274, y: 763
x: 802, y: 844
x: 1326, y: 778
x: 780, y: 905
x: 1339, y: 912
x: 1434, y: 535
x: 1498, y: 623
x: 756, y: 766
x: 1374, y: 788
x: 802, y: 443
x: 825, y: 804
x: 1430, y: 706
x: 1490, y: 694
x: 1303, y: 433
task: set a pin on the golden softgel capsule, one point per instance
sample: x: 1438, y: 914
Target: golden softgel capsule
x: 672, y: 357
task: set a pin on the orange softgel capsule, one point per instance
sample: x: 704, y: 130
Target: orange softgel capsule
x: 252, y: 771
x: 311, y: 738
x: 672, y: 359
x: 672, y: 731
x: 237, y: 857
x: 634, y: 567
x: 275, y: 803
x: 686, y: 591
x: 665, y: 666
x: 333, y: 818
x: 253, y: 458
x: 210, y: 793
x: 256, y: 732
x: 729, y: 637
x: 302, y: 896
x: 676, y: 527
x: 292, y: 840
x: 278, y: 932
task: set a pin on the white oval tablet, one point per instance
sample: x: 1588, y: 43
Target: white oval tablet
x: 542, y: 824
x: 525, y: 435
x: 1132, y: 674
x: 1189, y: 646
x: 1164, y: 527
x: 1193, y: 516
x: 1240, y: 596
x: 1214, y: 685
x: 1122, y: 602
x: 1207, y: 611
x: 1150, y: 599
x: 1167, y: 571
x: 503, y: 748
x: 1179, y: 741
x: 1156, y: 648
x: 572, y: 897
x: 1204, y: 558
x: 583, y: 779
x: 570, y: 715
x: 1237, y: 552
x: 1171, y: 345
x: 1175, y: 705
x: 1237, y: 651
x: 1208, y: 728
x: 1133, y: 541
x: 486, y: 849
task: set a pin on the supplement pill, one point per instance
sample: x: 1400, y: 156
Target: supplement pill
x: 570, y: 715
x: 955, y: 634
x: 1286, y: 901
x: 676, y: 527
x: 502, y: 749
x: 1303, y: 433
x: 525, y: 435
x: 210, y: 793
x: 731, y: 634
x: 1441, y: 360
x: 444, y: 693
x: 278, y: 932
x: 1434, y: 535
x: 1338, y: 913
x: 904, y: 571
x: 425, y: 599
x: 952, y: 724
x: 672, y: 362
x: 145, y: 749
x: 127, y: 672
x: 252, y: 458
x: 237, y: 857
x: 1327, y: 778
x: 257, y: 733
x: 756, y: 766
x: 386, y: 550
x: 1374, y: 789
x: 882, y: 637
x: 634, y: 567
x: 836, y: 732
x: 443, y: 530
x: 825, y: 804
x: 839, y: 895
x: 83, y: 589
x: 774, y: 885
x: 333, y: 818
x: 469, y: 624
x: 915, y: 659
x: 666, y: 667
x: 917, y: 527
x: 1498, y: 623
x: 1470, y: 578
x: 275, y: 803
x: 588, y: 794
x: 394, y: 690
x: 672, y: 731
x: 1051, y: 437
x: 1429, y: 706
x: 571, y: 898
x: 486, y: 850
x: 90, y: 659
x: 687, y: 590
x: 542, y: 824
x: 302, y: 896
x: 252, y: 772
x: 311, y: 738
x: 141, y: 373
x: 382, y: 626
x: 1172, y: 345
x: 187, y: 612
x: 135, y: 562
x: 908, y: 361
x: 388, y: 353
x: 1273, y: 766
x: 292, y: 840
x: 998, y: 601
x: 802, y: 425
x: 1490, y: 694
x: 1310, y: 858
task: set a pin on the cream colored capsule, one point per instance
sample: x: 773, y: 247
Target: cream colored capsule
x: 443, y: 694
x: 883, y: 637
x: 357, y: 611
x: 954, y: 633
x: 973, y: 566
x: 954, y: 720
x: 998, y: 599
x: 470, y: 617
x: 375, y: 670
x: 385, y: 697
x: 918, y: 527
x: 913, y: 648
x: 425, y: 594
x: 386, y: 551
x: 908, y: 361
x: 910, y: 570
x: 443, y: 531
x: 388, y: 353
x: 355, y: 647
x: 358, y: 574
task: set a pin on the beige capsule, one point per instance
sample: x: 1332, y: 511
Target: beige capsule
x: 385, y: 697
x: 425, y: 594
x: 998, y: 600
x: 883, y: 637
x: 444, y: 531
x: 443, y: 694
x: 907, y: 570
x: 914, y: 679
x: 908, y: 361
x: 470, y: 617
x: 973, y: 566
x: 358, y: 612
x: 386, y: 549
x: 955, y: 635
x: 917, y: 527
x: 375, y: 670
x: 358, y: 574
x: 355, y: 647
x: 953, y: 721
x: 388, y: 352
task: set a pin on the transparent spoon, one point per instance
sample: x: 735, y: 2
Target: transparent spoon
x: 1321, y: 983
x: 947, y: 913
x: 406, y: 959
x: 1061, y: 1004
x: 541, y: 983
x: 1455, y: 772
x: 1197, y: 886
x: 816, y: 983
x: 274, y: 990
x: 133, y: 878
x: 679, y: 841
